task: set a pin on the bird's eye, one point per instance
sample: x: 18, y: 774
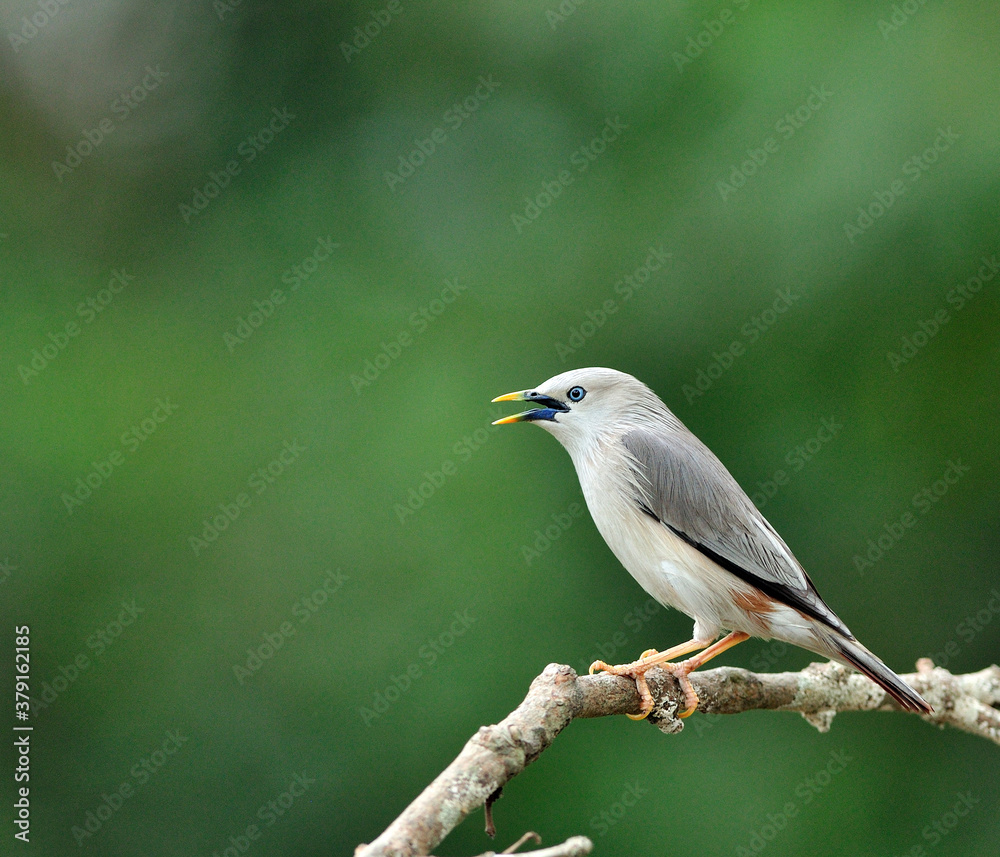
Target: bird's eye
x: 576, y: 394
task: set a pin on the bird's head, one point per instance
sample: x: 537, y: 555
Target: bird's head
x: 581, y: 405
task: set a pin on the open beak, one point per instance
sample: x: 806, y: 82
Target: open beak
x: 547, y: 410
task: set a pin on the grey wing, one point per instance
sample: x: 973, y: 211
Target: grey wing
x: 681, y: 483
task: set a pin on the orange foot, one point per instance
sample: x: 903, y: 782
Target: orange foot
x: 650, y: 658
x: 637, y: 672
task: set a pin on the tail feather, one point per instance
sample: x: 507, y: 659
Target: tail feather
x: 854, y: 654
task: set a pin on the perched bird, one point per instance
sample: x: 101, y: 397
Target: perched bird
x: 685, y: 530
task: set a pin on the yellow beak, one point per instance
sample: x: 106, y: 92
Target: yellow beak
x: 512, y: 397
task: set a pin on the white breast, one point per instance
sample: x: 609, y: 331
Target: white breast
x: 674, y: 573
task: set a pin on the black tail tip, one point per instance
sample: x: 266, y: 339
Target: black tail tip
x: 904, y: 695
x: 912, y: 701
x: 917, y: 704
x: 868, y: 664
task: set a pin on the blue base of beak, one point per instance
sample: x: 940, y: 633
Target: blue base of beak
x: 540, y: 414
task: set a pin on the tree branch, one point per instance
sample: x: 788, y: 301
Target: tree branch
x: 496, y: 754
x: 575, y: 846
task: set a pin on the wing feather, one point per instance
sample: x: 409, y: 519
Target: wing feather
x: 680, y: 482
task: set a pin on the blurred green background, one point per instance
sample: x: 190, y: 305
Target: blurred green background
x: 296, y: 261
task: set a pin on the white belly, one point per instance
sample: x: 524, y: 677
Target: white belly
x: 674, y: 573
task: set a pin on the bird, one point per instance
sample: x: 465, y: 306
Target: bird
x: 683, y: 527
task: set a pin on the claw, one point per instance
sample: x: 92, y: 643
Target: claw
x: 645, y: 698
x: 690, y: 696
x: 637, y: 672
x: 651, y: 658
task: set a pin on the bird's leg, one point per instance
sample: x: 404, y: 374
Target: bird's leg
x: 637, y: 671
x: 685, y: 668
x: 651, y: 658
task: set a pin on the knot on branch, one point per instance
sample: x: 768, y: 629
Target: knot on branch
x: 969, y: 702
